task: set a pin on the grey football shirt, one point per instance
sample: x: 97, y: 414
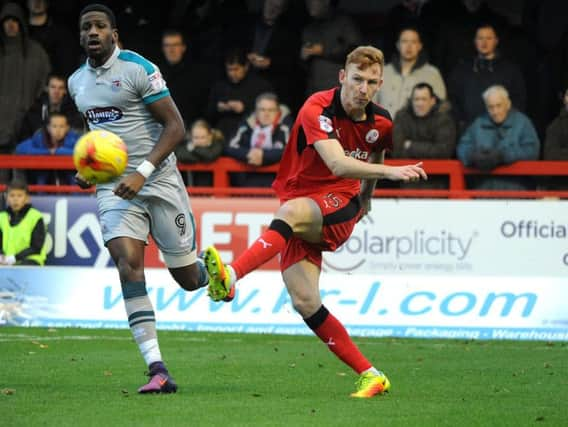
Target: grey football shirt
x: 114, y: 96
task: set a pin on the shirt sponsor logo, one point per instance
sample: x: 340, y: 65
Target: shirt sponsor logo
x: 115, y: 85
x: 325, y: 124
x: 157, y: 81
x: 372, y: 136
x: 103, y: 114
x: 357, y: 154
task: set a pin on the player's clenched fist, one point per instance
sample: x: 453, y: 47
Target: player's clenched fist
x: 129, y: 186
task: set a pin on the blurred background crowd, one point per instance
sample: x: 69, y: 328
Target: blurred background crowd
x: 481, y: 81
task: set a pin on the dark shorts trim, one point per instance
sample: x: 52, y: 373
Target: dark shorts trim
x: 346, y: 213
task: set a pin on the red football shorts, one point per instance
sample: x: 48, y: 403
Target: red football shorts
x: 340, y: 214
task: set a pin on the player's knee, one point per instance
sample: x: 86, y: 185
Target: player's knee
x: 189, y: 283
x: 306, y: 305
x: 298, y: 213
x: 129, y: 270
x: 286, y: 213
x: 188, y: 277
x: 293, y: 212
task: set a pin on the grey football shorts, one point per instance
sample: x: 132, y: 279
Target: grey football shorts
x: 161, y: 209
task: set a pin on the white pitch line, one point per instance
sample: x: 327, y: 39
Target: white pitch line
x: 24, y: 337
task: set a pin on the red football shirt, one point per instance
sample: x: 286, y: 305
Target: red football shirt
x: 302, y: 171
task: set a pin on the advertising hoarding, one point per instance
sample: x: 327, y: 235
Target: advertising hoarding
x: 369, y: 305
x: 415, y: 268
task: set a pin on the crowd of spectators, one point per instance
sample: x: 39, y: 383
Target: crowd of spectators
x: 461, y: 80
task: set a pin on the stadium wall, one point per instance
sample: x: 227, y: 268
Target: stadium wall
x: 413, y: 268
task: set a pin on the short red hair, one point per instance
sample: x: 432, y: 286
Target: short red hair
x: 365, y: 56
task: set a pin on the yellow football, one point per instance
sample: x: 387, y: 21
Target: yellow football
x: 100, y: 156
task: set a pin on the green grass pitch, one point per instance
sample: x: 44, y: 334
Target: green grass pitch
x: 83, y: 377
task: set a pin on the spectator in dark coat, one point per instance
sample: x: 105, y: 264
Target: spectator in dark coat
x: 425, y: 129
x: 54, y: 100
x: 141, y: 23
x: 272, y: 52
x: 260, y: 140
x: 546, y: 24
x: 417, y: 14
x: 24, y: 67
x: 202, y: 145
x: 61, y: 46
x: 556, y: 143
x: 188, y: 80
x: 326, y: 41
x: 457, y: 22
x: 556, y: 146
x: 500, y: 136
x: 469, y: 79
x: 232, y: 98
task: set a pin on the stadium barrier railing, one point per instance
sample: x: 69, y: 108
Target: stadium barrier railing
x: 224, y: 166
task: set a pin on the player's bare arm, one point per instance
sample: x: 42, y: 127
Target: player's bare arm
x: 344, y: 166
x: 164, y: 111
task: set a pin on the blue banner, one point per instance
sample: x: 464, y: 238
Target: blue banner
x: 74, y: 234
x: 373, y: 306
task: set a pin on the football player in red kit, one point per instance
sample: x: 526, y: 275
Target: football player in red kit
x: 326, y: 179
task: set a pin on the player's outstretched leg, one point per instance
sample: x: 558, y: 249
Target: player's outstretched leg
x: 160, y: 380
x: 329, y: 329
x: 221, y: 278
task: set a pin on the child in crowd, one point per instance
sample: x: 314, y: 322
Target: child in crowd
x: 22, y: 230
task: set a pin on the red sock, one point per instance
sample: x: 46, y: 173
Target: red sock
x: 270, y: 243
x: 333, y: 333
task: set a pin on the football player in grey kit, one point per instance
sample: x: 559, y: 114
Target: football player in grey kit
x: 122, y: 92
